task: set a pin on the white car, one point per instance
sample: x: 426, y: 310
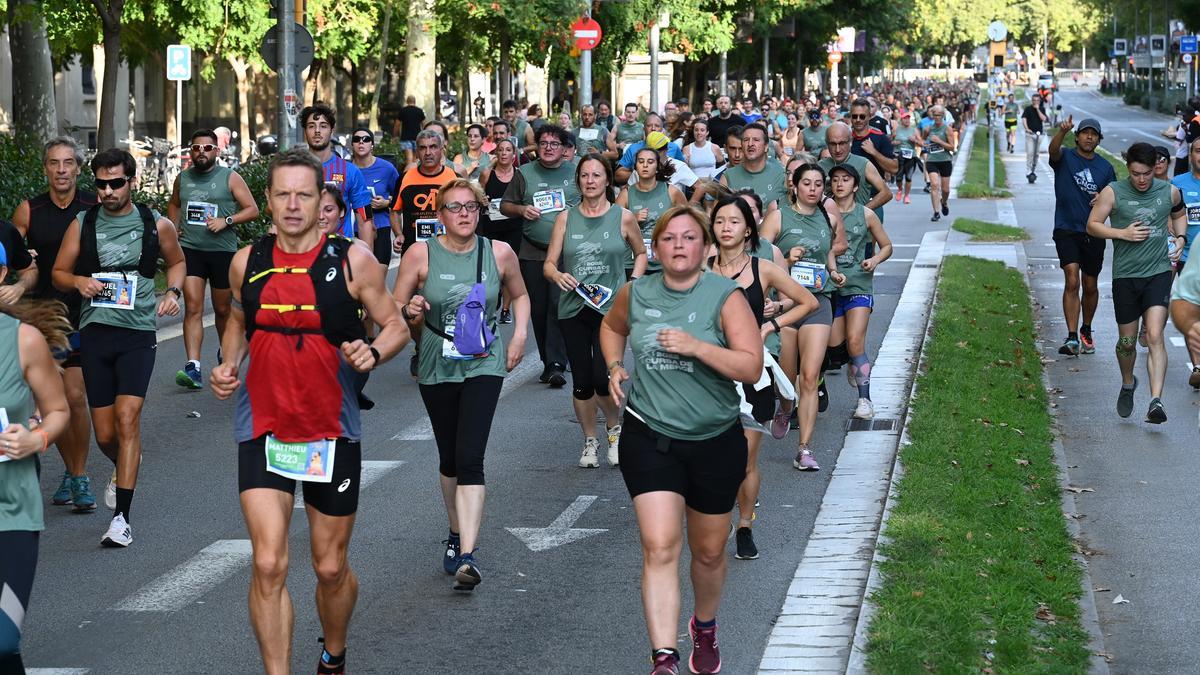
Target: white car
x: 1047, y: 81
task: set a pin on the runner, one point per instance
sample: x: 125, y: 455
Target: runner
x: 410, y: 118
x: 1033, y: 121
x: 1079, y: 174
x: 493, y: 224
x: 43, y: 220
x: 764, y: 176
x: 905, y: 138
x: 701, y: 154
x: 382, y: 180
x: 417, y: 194
x: 854, y: 300
x: 33, y: 412
x: 720, y: 124
x: 871, y: 143
x: 628, y: 131
x: 537, y: 192
x: 519, y: 128
x: 734, y: 230
x: 1162, y: 163
x: 1012, y: 114
x: 471, y: 162
x: 117, y: 320
x: 438, y: 278
x: 318, y: 123
x: 941, y: 140
x: 1145, y: 213
x: 683, y: 455
x: 592, y: 241
x: 648, y: 198
x: 791, y: 138
x: 590, y: 135
x: 873, y: 192
x: 207, y: 202
x: 295, y: 415
x: 814, y: 134
x: 653, y: 124
x: 1188, y: 184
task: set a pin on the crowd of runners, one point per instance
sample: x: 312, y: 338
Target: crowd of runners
x: 694, y: 274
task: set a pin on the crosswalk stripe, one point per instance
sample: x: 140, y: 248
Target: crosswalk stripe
x: 183, y: 585
x: 421, y: 430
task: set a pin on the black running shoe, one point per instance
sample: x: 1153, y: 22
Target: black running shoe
x: 1125, y: 399
x: 746, y: 550
x: 557, y: 379
x: 1156, y: 414
x: 822, y: 396
x: 936, y: 217
x: 945, y: 208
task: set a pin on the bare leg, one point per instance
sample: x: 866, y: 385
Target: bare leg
x: 1126, y: 352
x: 1070, y: 297
x: 748, y: 492
x: 337, y: 586
x: 129, y: 439
x: 660, y: 522
x: 450, y: 499
x: 706, y: 540
x: 789, y: 357
x: 468, y: 503
x: 813, y: 339
x: 268, y: 513
x: 1091, y: 297
x: 193, y: 316
x: 585, y: 412
x: 74, y: 443
x: 1155, y: 320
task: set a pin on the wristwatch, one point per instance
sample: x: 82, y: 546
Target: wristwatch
x: 172, y: 289
x: 228, y: 221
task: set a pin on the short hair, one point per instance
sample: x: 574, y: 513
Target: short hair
x: 1141, y: 153
x: 508, y: 104
x: 410, y: 99
x: 754, y: 126
x: 500, y: 123
x: 204, y: 133
x: 479, y: 127
x: 298, y: 155
x: 463, y: 183
x: 610, y: 189
x: 631, y: 105
x: 430, y: 133
x: 363, y: 128
x: 740, y: 204
x: 700, y: 217
x: 585, y: 106
x: 318, y: 110
x: 860, y: 103
x: 653, y: 114
x: 114, y: 157
x: 554, y: 130
x: 735, y: 131
x: 65, y: 142
x: 441, y: 125
x: 334, y: 191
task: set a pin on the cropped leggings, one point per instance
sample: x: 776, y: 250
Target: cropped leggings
x: 461, y: 416
x: 17, y: 566
x: 581, y: 333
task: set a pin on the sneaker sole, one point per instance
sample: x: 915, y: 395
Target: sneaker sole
x: 59, y: 502
x: 1161, y: 417
x: 557, y: 381
x: 745, y: 557
x: 112, y: 543
x: 464, y: 581
x: 87, y: 508
x: 182, y: 379
x: 805, y: 468
x: 863, y: 417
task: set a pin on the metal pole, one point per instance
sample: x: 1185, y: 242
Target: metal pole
x: 179, y: 113
x: 654, y: 34
x: 991, y: 157
x: 1150, y: 53
x: 287, y: 70
x: 766, y: 73
x: 724, y: 74
x: 585, y: 70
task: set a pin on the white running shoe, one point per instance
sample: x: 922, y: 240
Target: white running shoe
x: 614, y: 441
x: 110, y: 492
x: 865, y: 410
x: 588, y: 459
x: 119, y: 535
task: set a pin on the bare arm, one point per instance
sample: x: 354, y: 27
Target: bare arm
x: 1101, y: 210
x: 802, y: 300
x: 172, y: 255
x: 41, y: 373
x: 614, y: 331
x: 633, y: 236
x: 247, y: 207
x: 224, y: 377
x: 883, y: 194
x: 63, y: 277
x: 741, y: 361
x: 1186, y: 317
x: 677, y: 198
x: 173, y: 206
x: 881, y: 238
x: 369, y: 288
x: 20, y: 218
x: 563, y: 280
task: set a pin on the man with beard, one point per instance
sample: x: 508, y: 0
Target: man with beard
x: 318, y: 123
x: 719, y: 126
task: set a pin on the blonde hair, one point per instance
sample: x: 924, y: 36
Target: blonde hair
x: 464, y: 184
x: 698, y: 216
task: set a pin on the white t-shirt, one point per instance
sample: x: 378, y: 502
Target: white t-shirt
x: 683, y: 176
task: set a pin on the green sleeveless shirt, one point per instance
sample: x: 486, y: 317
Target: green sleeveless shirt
x: 203, y: 196
x: 812, y: 233
x: 858, y: 236
x: 553, y: 188
x: 656, y: 201
x: 1138, y: 260
x: 20, y: 495
x: 936, y: 152
x: 450, y: 278
x: 769, y: 184
x: 119, y: 242
x: 593, y: 253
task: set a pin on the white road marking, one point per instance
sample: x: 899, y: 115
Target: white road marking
x: 1178, y: 341
x: 560, y: 531
x: 183, y: 585
x: 422, y: 430
x: 372, y: 470
x: 898, y: 260
x: 1005, y: 213
x: 57, y: 671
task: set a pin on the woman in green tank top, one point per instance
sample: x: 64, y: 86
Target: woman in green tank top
x: 29, y: 382
x: 649, y: 197
x: 592, y: 240
x: 457, y: 387
x: 854, y: 300
x: 471, y: 162
x: 683, y: 455
x: 904, y: 137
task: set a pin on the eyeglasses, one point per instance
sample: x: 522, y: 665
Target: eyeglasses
x: 457, y: 207
x: 113, y: 184
x: 857, y: 117
x: 207, y: 147
x: 364, y: 139
x: 550, y: 145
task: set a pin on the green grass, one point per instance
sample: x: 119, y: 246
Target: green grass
x: 975, y: 180
x: 981, y: 230
x: 979, y: 574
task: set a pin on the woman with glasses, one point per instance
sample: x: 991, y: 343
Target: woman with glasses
x: 470, y: 163
x: 381, y: 179
x: 460, y: 391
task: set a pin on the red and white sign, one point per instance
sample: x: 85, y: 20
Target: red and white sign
x: 587, y: 33
x: 835, y: 57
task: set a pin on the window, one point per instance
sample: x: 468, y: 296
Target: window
x: 88, y: 79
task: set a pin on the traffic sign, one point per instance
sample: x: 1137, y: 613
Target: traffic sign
x: 997, y: 31
x: 1187, y: 44
x: 1187, y: 58
x: 1120, y: 47
x: 179, y: 63
x: 835, y: 57
x: 587, y: 33
x: 302, y: 55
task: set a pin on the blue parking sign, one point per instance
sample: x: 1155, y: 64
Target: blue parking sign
x: 1187, y: 44
x: 179, y: 62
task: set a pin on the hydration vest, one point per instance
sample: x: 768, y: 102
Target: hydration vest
x: 88, y: 262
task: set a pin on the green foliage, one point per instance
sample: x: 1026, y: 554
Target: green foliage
x: 975, y: 179
x: 982, y: 230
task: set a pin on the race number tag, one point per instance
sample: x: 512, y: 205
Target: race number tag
x: 1193, y: 214
x: 810, y: 276
x: 311, y: 461
x: 589, y: 134
x: 428, y: 227
x: 3, y: 426
x: 906, y: 153
x: 494, y: 209
x: 119, y: 290
x: 548, y: 201
x: 649, y: 250
x: 199, y: 213
x: 449, y: 351
x: 594, y: 295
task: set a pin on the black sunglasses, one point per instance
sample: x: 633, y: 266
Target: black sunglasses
x: 113, y: 184
x: 364, y: 139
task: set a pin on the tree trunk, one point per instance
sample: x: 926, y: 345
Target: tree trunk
x: 241, y: 71
x: 505, y: 92
x: 353, y: 93
x: 34, y: 109
x: 466, y: 102
x: 312, y: 85
x: 110, y: 16
x: 373, y: 115
x: 420, y: 57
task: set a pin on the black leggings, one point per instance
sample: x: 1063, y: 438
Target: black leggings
x: 589, y: 374
x: 543, y: 310
x: 17, y: 567
x: 461, y: 415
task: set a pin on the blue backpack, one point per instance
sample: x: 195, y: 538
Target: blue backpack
x: 472, y: 334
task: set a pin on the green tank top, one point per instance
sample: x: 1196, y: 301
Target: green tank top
x: 20, y: 495
x: 1138, y: 260
x: 591, y: 139
x: 484, y: 159
x: 763, y: 249
x: 814, y: 140
x: 553, y: 188
x: 863, y: 195
x: 810, y: 232
x: 119, y: 243
x: 203, y: 196
x: 656, y: 201
x: 858, y: 280
x: 936, y: 152
x: 679, y: 396
x: 450, y: 278
x: 593, y: 253
x: 519, y: 127
x: 769, y: 183
x: 904, y: 142
x: 630, y: 133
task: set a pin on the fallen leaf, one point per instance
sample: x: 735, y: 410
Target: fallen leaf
x: 1101, y: 589
x: 1106, y: 656
x: 1078, y: 490
x: 1022, y: 462
x: 1044, y: 614
x: 982, y: 574
x: 918, y: 594
x: 1019, y: 432
x: 1072, y: 370
x: 961, y: 344
x: 970, y: 536
x: 1120, y: 600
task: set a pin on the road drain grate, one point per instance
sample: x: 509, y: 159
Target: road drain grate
x: 888, y: 424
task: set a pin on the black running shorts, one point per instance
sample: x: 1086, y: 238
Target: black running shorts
x: 1080, y: 248
x: 338, y: 497
x: 943, y: 168
x: 210, y: 265
x: 116, y: 362
x: 1132, y: 297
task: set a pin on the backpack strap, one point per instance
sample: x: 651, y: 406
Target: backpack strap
x: 148, y: 265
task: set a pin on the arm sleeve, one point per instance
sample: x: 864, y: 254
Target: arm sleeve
x: 14, y: 246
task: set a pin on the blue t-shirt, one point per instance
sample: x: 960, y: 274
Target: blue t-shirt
x: 1076, y: 182
x: 354, y: 190
x: 381, y: 179
x: 673, y: 151
x: 751, y: 118
x: 1189, y: 189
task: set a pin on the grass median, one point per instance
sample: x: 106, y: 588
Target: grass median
x: 975, y: 179
x: 979, y: 574
x: 982, y: 230
x: 1118, y: 164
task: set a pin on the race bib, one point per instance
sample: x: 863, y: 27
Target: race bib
x: 548, y: 201
x: 589, y: 134
x: 119, y: 292
x: 789, y: 151
x: 1193, y: 214
x: 3, y: 426
x: 449, y: 351
x: 595, y: 295
x: 494, y: 209
x: 811, y: 276
x: 649, y: 249
x: 906, y: 153
x: 199, y: 213
x: 427, y: 228
x: 311, y: 461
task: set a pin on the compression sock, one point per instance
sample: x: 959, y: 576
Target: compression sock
x: 704, y: 624
x: 1086, y: 330
x: 862, y: 374
x: 124, y: 499
x: 454, y: 538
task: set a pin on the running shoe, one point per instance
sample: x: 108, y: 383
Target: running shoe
x: 865, y: 410
x: 328, y: 664
x: 506, y: 315
x: 467, y: 577
x: 926, y: 188
x: 805, y: 461
x: 1125, y: 399
x: 119, y: 535
x: 945, y: 208
x: 822, y: 396
x: 1194, y: 378
x: 110, y: 492
x: 666, y: 662
x: 779, y: 423
x: 1086, y: 344
x: 746, y: 550
x: 907, y: 200
x: 545, y: 376
x: 1070, y: 347
x: 557, y: 379
x: 450, y: 559
x: 706, y: 656
x: 1142, y: 335
x: 189, y: 377
x: 614, y: 443
x: 588, y: 458
x: 1156, y: 414
x: 81, y: 494
x: 936, y: 217
x: 62, y: 496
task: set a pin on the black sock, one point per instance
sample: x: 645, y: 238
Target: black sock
x: 1072, y: 335
x: 705, y: 624
x: 1086, y: 329
x: 453, y: 537
x: 124, y: 499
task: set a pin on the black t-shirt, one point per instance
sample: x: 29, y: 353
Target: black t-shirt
x: 882, y: 143
x: 718, y: 128
x: 14, y: 245
x: 411, y: 118
x: 1033, y: 119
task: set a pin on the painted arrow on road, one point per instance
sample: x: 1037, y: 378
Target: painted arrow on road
x: 560, y: 531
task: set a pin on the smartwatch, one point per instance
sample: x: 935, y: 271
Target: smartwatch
x: 172, y: 289
x: 228, y: 221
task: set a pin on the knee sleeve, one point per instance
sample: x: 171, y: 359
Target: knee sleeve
x: 1125, y: 345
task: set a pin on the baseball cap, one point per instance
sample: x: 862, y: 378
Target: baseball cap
x: 905, y: 114
x: 1089, y: 123
x: 847, y: 169
x: 1162, y: 151
x: 657, y: 140
x: 814, y: 114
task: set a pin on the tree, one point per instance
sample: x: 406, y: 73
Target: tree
x: 34, y: 109
x: 420, y: 58
x: 110, y: 21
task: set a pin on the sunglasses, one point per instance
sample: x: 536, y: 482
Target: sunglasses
x: 364, y: 139
x: 207, y: 147
x: 113, y: 184
x: 858, y: 117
